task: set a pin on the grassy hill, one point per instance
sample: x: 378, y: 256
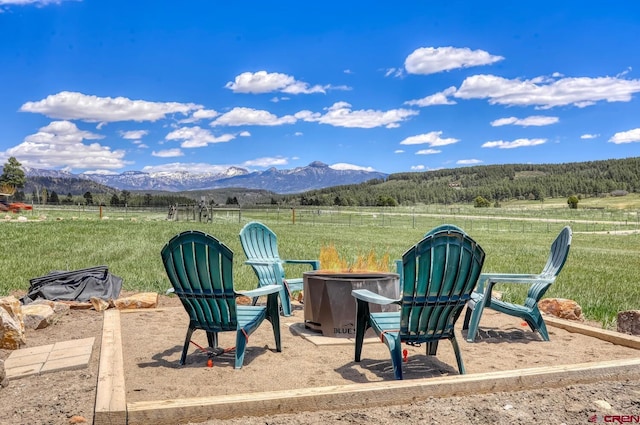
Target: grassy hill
x: 497, y: 184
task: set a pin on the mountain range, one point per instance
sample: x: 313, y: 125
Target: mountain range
x: 316, y: 175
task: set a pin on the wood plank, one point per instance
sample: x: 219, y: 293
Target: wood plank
x: 111, y: 405
x: 375, y: 394
x: 603, y: 334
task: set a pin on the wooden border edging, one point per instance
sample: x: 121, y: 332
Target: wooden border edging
x: 111, y: 405
x: 603, y: 334
x: 374, y: 394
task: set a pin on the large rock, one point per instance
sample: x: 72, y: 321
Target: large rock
x: 37, y: 316
x: 11, y: 324
x: 42, y: 313
x: 4, y: 381
x: 141, y: 300
x: 562, y: 308
x: 629, y: 322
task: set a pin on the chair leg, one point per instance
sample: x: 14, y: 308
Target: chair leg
x: 472, y: 320
x: 540, y: 325
x: 432, y: 348
x: 362, y: 324
x: 187, y: 341
x: 273, y: 316
x: 241, y: 345
x: 285, y: 301
x: 212, y: 339
x: 395, y: 347
x: 456, y: 350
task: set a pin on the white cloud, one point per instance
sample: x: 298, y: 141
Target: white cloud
x: 432, y: 139
x: 248, y: 116
x: 244, y: 134
x: 468, y: 161
x: 394, y: 72
x: 200, y: 114
x: 626, y: 136
x: 77, y: 106
x: 266, y: 162
x: 277, y: 99
x: 134, y: 134
x: 417, y: 167
x: 298, y: 133
x: 430, y: 60
x: 347, y: 166
x: 518, y: 143
x: 168, y: 153
x: 34, y: 2
x: 589, y: 136
x: 341, y: 115
x: 61, y: 144
x: 532, y: 121
x: 399, y: 151
x: 428, y: 152
x: 267, y: 82
x: 441, y: 98
x: 348, y: 71
x: 545, y: 93
x: 196, y: 137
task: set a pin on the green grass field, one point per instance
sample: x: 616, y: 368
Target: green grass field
x: 601, y: 274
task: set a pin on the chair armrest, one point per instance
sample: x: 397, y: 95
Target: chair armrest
x: 262, y: 262
x: 372, y: 297
x: 487, y: 281
x: 263, y: 290
x: 527, y: 279
x: 315, y: 264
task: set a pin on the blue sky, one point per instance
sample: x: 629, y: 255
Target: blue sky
x: 111, y: 86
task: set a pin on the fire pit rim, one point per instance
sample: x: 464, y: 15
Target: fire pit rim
x: 349, y: 275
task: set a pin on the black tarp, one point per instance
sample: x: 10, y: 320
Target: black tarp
x: 76, y: 285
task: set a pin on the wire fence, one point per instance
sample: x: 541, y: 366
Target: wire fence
x: 486, y: 219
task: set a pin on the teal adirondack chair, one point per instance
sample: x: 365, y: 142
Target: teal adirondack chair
x: 200, y: 270
x: 260, y: 245
x: 539, y: 283
x: 434, y: 230
x: 440, y: 273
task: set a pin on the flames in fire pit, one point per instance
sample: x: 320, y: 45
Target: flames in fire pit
x: 332, y: 262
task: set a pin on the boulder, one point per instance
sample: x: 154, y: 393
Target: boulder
x: 141, y: 300
x: 37, y: 316
x: 629, y: 322
x: 4, y: 381
x: 42, y: 313
x: 99, y: 304
x: 11, y: 324
x: 59, y: 308
x: 562, y: 308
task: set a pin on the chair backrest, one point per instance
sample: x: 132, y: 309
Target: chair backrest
x: 440, y: 273
x: 200, y: 270
x: 260, y: 243
x: 443, y: 227
x: 558, y: 253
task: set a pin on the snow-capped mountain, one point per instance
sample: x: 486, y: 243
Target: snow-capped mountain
x: 316, y: 175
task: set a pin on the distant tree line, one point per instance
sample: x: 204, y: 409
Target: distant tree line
x: 491, y: 183
x: 482, y: 186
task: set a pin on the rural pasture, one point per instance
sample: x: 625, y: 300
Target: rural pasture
x: 601, y: 273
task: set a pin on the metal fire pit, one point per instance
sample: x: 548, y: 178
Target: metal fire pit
x: 329, y: 306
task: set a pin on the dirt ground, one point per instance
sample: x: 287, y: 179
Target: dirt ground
x: 152, y: 343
